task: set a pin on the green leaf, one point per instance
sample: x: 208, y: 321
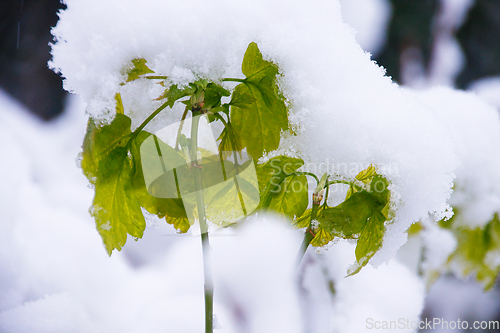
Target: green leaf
x: 115, y: 207
x: 242, y: 100
x: 280, y: 189
x: 253, y: 63
x: 369, y: 241
x: 415, y: 229
x: 119, y: 104
x: 229, y: 141
x: 222, y: 108
x: 100, y: 140
x: 290, y: 197
x: 478, y: 251
x: 361, y: 216
x: 107, y: 165
x: 304, y: 220
x: 172, y: 209
x: 350, y: 192
x: 259, y: 123
x: 139, y: 68
x: 321, y: 184
x: 349, y: 218
x: 366, y: 175
x: 200, y: 84
x: 181, y: 224
x: 173, y: 94
x: 321, y: 238
x: 228, y: 205
x: 379, y: 189
x: 213, y: 95
x: 111, y: 160
x: 272, y: 173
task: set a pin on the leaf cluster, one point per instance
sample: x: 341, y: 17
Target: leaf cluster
x: 253, y: 121
x: 360, y: 217
x: 477, y: 251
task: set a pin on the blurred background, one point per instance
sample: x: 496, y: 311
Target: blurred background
x: 421, y: 43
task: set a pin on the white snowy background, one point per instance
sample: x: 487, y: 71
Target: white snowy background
x: 55, y: 275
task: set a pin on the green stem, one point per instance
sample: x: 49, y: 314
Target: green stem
x: 421, y: 261
x: 235, y: 179
x: 238, y: 189
x: 233, y: 80
x: 205, y: 241
x: 359, y: 188
x: 148, y: 119
x: 325, y: 204
x: 308, y: 235
x: 308, y: 174
x: 221, y: 118
x: 179, y: 131
x: 155, y: 77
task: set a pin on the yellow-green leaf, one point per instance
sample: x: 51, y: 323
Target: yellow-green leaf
x: 107, y: 165
x: 290, y: 197
x: 119, y: 104
x: 304, y: 220
x: 321, y: 238
x: 139, y: 68
x: 229, y: 141
x: 478, y: 251
x: 173, y: 93
x: 369, y: 242
x: 366, y: 175
x: 361, y: 216
x: 272, y: 173
x: 258, y: 112
x: 173, y: 210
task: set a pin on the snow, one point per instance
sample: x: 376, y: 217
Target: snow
x: 370, y: 20
x: 55, y: 275
x: 256, y: 275
x: 475, y: 127
x: 370, y: 294
x: 488, y: 89
x: 54, y: 269
x: 387, y: 293
x: 55, y: 313
x: 451, y: 299
x: 439, y: 245
x: 325, y: 73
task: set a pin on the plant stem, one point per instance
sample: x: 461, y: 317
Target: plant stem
x: 359, y: 188
x: 325, y: 204
x: 155, y: 77
x: 205, y: 242
x: 233, y: 80
x: 308, y: 174
x: 221, y: 118
x: 148, y: 119
x: 308, y: 235
x: 179, y: 131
